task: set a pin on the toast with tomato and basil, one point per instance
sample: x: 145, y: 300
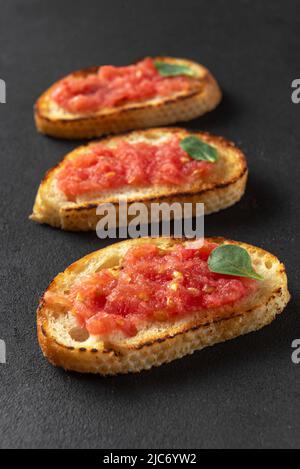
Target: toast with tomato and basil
x: 108, y: 100
x: 144, y: 302
x: 155, y: 165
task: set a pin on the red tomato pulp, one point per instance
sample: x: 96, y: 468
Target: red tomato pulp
x: 154, y: 285
x: 112, y: 86
x: 128, y: 164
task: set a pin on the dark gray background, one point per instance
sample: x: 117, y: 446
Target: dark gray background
x: 244, y: 393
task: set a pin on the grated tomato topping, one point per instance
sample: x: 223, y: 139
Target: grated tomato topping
x: 111, y: 86
x: 128, y: 164
x: 154, y: 285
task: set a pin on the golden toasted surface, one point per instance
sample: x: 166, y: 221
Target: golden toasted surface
x: 202, y: 97
x: 224, y: 187
x: 160, y: 342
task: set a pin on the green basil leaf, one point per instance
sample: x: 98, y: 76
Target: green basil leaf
x: 173, y: 70
x: 229, y: 259
x: 198, y: 149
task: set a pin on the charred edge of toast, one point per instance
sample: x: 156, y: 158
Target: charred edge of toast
x: 98, y: 117
x: 92, y: 206
x: 118, y: 352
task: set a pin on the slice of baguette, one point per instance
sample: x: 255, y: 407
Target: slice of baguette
x: 223, y: 188
x: 203, y: 96
x: 65, y: 344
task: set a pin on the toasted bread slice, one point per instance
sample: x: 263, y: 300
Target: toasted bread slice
x: 202, y: 97
x: 64, y: 345
x: 223, y: 188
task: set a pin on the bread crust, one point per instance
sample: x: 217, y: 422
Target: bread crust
x: 176, y: 339
x: 223, y: 189
x: 54, y: 121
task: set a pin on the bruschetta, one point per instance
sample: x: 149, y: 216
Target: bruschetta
x: 154, y: 165
x: 105, y: 100
x: 144, y: 302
